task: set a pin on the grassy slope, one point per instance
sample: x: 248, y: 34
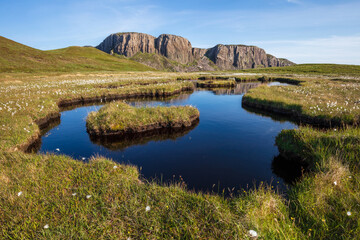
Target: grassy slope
x: 18, y: 58
x: 157, y: 61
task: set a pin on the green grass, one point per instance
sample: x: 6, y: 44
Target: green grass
x: 119, y: 117
x: 327, y: 101
x: 216, y: 83
x: 321, y: 201
x: 18, y: 58
x: 157, y: 61
x: 313, y: 69
x: 117, y: 206
x: 315, y: 207
x: 23, y: 103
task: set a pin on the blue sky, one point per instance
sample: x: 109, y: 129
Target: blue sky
x: 303, y: 31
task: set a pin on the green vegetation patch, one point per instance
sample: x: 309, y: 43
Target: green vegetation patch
x: 216, y: 83
x: 119, y: 118
x: 56, y: 197
x: 313, y: 100
x: 325, y: 204
x: 18, y: 58
x: 23, y: 104
x: 313, y: 69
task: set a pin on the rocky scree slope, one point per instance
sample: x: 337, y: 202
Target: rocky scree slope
x: 180, y: 50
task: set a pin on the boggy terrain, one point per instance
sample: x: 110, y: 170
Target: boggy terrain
x: 46, y: 196
x: 120, y: 119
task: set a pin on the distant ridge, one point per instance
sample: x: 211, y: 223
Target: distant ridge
x: 185, y: 57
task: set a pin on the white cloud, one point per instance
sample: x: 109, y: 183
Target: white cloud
x: 334, y: 49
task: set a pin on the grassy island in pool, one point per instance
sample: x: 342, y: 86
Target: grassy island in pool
x: 216, y: 83
x: 118, y: 118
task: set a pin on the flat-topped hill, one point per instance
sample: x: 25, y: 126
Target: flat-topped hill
x: 179, y: 49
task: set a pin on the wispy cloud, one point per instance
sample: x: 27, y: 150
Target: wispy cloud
x: 334, y: 49
x: 294, y: 1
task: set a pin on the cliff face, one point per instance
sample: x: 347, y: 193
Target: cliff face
x: 128, y: 44
x: 179, y: 49
x: 175, y: 48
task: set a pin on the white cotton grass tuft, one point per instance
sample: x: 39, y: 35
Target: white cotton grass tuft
x: 46, y: 226
x: 83, y: 158
x: 253, y: 233
x: 115, y: 167
x: 335, y: 183
x: 74, y: 194
x: 348, y: 213
x: 58, y: 149
x: 147, y: 208
x: 19, y: 193
x: 88, y: 196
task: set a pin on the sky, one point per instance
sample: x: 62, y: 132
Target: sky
x: 303, y: 31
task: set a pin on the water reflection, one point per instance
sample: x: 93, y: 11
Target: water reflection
x: 290, y: 170
x: 125, y: 141
x: 230, y: 147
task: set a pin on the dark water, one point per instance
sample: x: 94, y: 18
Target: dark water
x: 230, y: 147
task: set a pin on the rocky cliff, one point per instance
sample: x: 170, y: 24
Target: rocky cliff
x: 179, y: 49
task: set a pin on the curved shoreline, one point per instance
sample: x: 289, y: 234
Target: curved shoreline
x: 116, y: 142
x: 299, y: 117
x: 216, y: 84
x: 146, y: 128
x: 44, y: 122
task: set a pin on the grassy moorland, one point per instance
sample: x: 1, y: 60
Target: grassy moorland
x: 328, y: 70
x: 26, y: 103
x: 120, y: 118
x: 44, y: 196
x: 322, y: 101
x: 18, y: 58
x: 326, y: 202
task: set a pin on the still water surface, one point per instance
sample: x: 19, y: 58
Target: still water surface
x: 230, y: 147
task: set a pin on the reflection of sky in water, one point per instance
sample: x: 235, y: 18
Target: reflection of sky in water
x: 230, y: 146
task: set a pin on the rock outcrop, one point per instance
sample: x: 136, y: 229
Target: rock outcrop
x: 179, y: 49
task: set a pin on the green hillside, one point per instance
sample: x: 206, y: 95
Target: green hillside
x: 16, y: 57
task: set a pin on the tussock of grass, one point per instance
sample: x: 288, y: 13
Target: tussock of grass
x: 116, y: 208
x: 320, y: 202
x: 316, y: 100
x: 119, y: 117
